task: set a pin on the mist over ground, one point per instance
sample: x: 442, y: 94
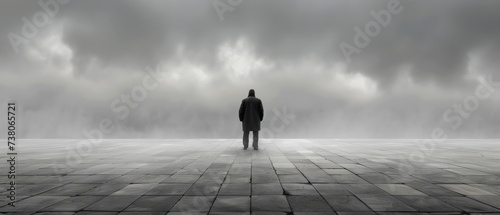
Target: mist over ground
x: 179, y: 69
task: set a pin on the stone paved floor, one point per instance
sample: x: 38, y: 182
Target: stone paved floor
x: 297, y: 176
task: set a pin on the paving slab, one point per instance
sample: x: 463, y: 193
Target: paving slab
x: 267, y: 189
x: 399, y: 189
x: 428, y: 204
x: 467, y: 204
x: 467, y: 190
x: 153, y: 203
x: 216, y: 176
x: 235, y: 189
x: 134, y: 189
x: 385, y: 203
x: 35, y: 203
x: 75, y: 203
x: 231, y: 204
x: 112, y: 203
x: 346, y: 203
x: 299, y: 189
x: 332, y: 189
x: 192, y: 204
x: 308, y: 204
x: 168, y: 189
x: 270, y: 203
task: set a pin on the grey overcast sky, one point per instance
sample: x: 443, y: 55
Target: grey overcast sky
x: 323, y: 68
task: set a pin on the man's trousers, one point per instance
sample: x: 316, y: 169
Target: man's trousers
x: 255, y: 143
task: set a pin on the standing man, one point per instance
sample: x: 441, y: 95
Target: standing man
x: 251, y: 114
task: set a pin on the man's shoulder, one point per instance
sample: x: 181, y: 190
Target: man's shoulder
x: 252, y: 99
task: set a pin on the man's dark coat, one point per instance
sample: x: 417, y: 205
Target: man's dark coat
x: 251, y: 112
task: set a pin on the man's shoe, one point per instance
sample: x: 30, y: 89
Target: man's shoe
x: 245, y: 148
x: 255, y: 148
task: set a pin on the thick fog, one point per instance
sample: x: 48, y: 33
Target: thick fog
x: 323, y: 68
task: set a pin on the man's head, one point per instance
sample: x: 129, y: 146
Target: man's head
x: 251, y: 93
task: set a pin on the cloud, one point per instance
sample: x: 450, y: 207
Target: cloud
x: 427, y: 58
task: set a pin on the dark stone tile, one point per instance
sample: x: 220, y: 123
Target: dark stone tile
x: 332, y: 189
x: 134, y: 189
x: 212, y: 178
x: 203, y: 189
x: 151, y: 179
x: 356, y: 213
x: 268, y: 213
x: 488, y: 187
x: 112, y: 203
x: 35, y: 189
x: 483, y: 179
x: 365, y: 189
x: 153, y: 203
x: 264, y: 178
x: 378, y: 178
x: 105, y: 189
x: 427, y: 204
x: 168, y: 189
x: 308, y: 204
x: 231, y: 204
x: 53, y: 213
x: 489, y: 200
x: 346, y: 203
x: 191, y: 204
x: 125, y: 179
x: 187, y: 213
x: 95, y: 213
x: 432, y: 189
x: 348, y: 179
x: 141, y: 213
x: 299, y: 189
x: 235, y: 190
x: 467, y: 204
x: 292, y: 179
x: 237, y: 179
x: 229, y: 213
x: 181, y: 179
x: 384, y: 203
x: 400, y: 189
x: 286, y: 171
x: 270, y: 203
x: 74, y: 203
x: 96, y: 179
x: 33, y: 204
x: 338, y: 171
x: 317, y: 176
x: 409, y: 213
x: 466, y: 189
x: 315, y: 213
x: 267, y: 189
x: 69, y: 190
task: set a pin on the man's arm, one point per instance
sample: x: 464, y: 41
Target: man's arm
x: 261, y: 111
x: 242, y: 110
